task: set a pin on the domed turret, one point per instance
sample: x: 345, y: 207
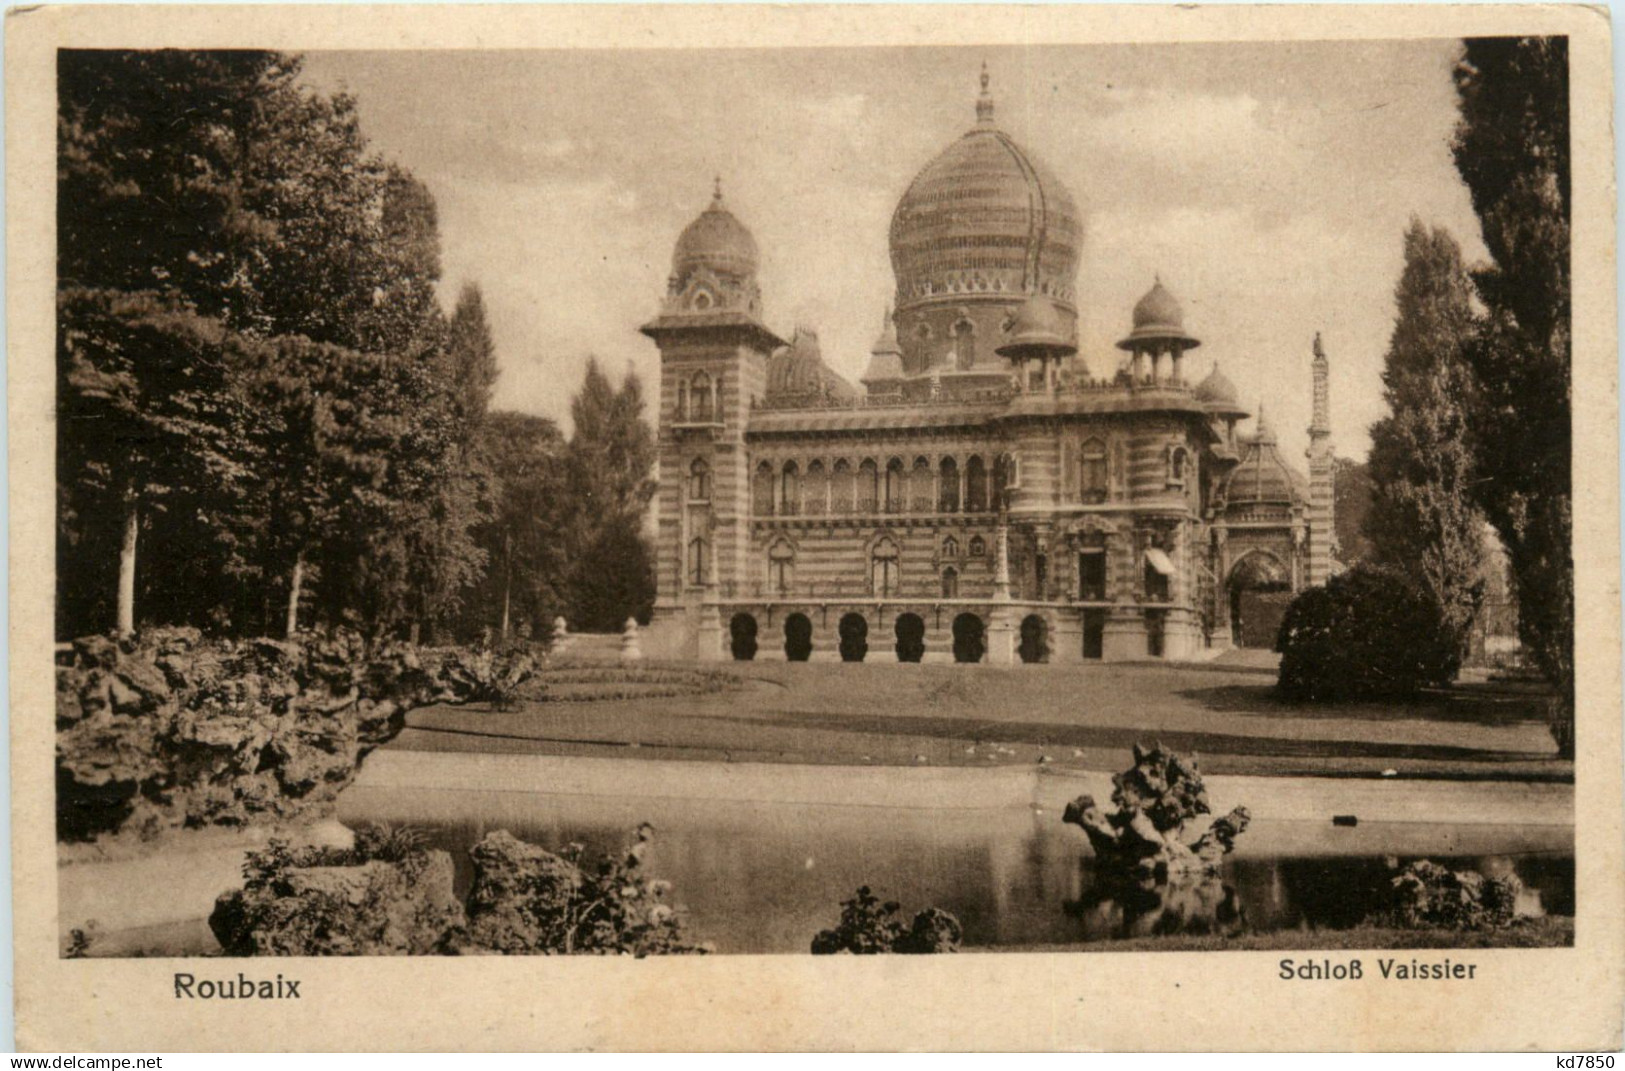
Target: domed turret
x: 1220, y: 396
x: 1263, y: 478
x: 716, y: 240
x: 713, y: 279
x: 981, y: 227
x: 1158, y: 319
x: 1039, y: 330
x: 799, y: 371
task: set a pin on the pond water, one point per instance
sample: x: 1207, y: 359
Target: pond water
x: 756, y: 878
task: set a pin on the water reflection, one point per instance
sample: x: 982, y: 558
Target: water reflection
x: 757, y: 877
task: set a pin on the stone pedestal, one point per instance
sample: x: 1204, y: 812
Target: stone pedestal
x: 1001, y: 637
x: 1182, y: 639
x: 710, y: 640
x: 631, y: 651
x: 1123, y: 638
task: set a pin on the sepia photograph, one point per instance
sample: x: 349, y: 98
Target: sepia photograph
x: 1094, y: 497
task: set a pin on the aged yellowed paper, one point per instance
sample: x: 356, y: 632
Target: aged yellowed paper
x: 1085, y: 488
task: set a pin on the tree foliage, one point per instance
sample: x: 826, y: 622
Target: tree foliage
x: 1511, y: 148
x: 255, y: 381
x: 1423, y: 519
x: 1351, y: 504
x: 611, y: 459
x: 1368, y: 633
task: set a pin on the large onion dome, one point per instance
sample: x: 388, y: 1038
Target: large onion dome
x: 716, y: 240
x: 1158, y: 318
x: 983, y: 223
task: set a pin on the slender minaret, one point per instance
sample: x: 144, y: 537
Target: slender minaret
x: 1322, y: 529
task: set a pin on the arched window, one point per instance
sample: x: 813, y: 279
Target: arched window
x: 978, y: 547
x: 790, y: 490
x: 699, y: 481
x: 950, y: 583
x: 883, y: 572
x: 700, y: 400
x: 814, y: 489
x: 948, y: 486
x: 761, y: 490
x: 895, y: 493
x: 921, y: 496
x: 975, y: 485
x: 1092, y: 471
x: 950, y: 547
x: 1178, y: 459
x: 781, y: 566
x: 842, y: 488
x: 868, y: 486
x: 696, y: 562
x: 682, y: 402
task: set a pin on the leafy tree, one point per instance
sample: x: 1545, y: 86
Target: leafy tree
x: 611, y: 459
x: 524, y: 539
x: 1511, y: 147
x: 1351, y: 495
x: 472, y: 357
x: 144, y: 419
x: 1423, y: 519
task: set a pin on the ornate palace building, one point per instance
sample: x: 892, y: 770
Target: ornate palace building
x: 980, y: 497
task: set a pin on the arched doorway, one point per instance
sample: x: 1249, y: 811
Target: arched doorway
x: 854, y: 633
x: 1034, y: 639
x: 910, y: 631
x: 797, y: 638
x: 1259, y: 589
x: 969, y: 638
x: 742, y: 637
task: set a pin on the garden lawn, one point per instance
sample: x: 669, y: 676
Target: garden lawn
x: 1085, y: 716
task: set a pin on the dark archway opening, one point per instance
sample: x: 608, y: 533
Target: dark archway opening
x: 969, y: 638
x: 854, y: 632
x: 1094, y: 634
x: 1260, y: 592
x: 1034, y: 639
x: 910, y: 638
x: 742, y: 637
x: 798, y: 638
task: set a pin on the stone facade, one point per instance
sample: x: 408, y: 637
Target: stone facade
x: 981, y: 497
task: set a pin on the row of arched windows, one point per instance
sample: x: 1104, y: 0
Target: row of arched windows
x: 789, y: 490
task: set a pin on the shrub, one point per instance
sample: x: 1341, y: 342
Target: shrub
x: 1426, y: 894
x: 869, y: 927
x: 1366, y: 634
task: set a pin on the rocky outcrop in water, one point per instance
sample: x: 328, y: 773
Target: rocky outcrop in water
x: 869, y: 927
x: 169, y: 729
x: 1148, y: 835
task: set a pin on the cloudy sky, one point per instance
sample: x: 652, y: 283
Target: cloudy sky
x: 1269, y: 184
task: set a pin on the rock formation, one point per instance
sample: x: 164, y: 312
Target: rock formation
x: 1148, y: 835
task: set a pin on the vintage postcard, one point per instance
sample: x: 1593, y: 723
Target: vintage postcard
x: 899, y: 527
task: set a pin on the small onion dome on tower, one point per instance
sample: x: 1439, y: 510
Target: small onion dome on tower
x: 1220, y: 396
x: 1158, y: 319
x: 886, y: 358
x: 716, y: 240
x: 1039, y: 330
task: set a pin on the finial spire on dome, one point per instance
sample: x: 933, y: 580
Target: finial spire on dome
x: 984, y: 102
x: 716, y: 191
